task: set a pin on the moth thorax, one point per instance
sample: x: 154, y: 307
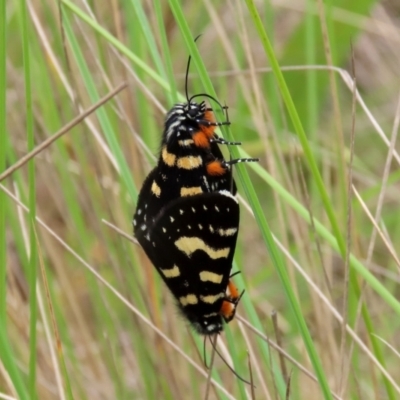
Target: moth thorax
x: 195, y: 110
x: 186, y: 111
x: 182, y: 121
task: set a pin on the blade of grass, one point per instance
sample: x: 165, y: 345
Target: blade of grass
x: 117, y: 44
x: 315, y: 172
x: 101, y: 113
x: 258, y: 212
x: 328, y: 236
x: 355, y: 264
x: 297, y: 52
x: 166, y: 52
x: 6, y: 354
x: 149, y: 37
x: 202, y: 71
x: 284, y: 278
x: 3, y: 143
x: 23, y: 160
x: 33, y: 314
x: 209, y: 89
x: 297, y: 125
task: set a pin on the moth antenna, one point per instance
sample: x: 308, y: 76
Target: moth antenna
x: 208, y: 384
x: 205, y: 353
x: 226, y: 363
x: 187, y: 79
x: 187, y: 74
x: 210, y: 97
x: 253, y: 395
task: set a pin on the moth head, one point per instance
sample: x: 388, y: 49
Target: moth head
x: 182, y: 120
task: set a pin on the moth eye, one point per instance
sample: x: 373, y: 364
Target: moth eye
x: 193, y: 112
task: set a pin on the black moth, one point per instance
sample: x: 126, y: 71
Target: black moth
x: 187, y: 218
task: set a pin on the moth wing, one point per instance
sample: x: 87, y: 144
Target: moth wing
x: 192, y: 243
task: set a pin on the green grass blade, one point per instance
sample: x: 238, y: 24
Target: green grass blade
x: 6, y: 354
x: 173, y: 98
x: 144, y: 25
x: 117, y: 44
x: 356, y: 264
x: 296, y: 52
x: 101, y: 113
x: 3, y: 143
x: 259, y: 213
x: 32, y: 204
x: 298, y: 126
x: 203, y: 74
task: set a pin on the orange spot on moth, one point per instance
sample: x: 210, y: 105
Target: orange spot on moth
x: 209, y: 116
x: 201, y: 140
x: 215, y: 168
x: 208, y: 130
x: 227, y: 310
x: 233, y: 291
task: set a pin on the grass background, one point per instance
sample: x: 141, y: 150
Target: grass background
x: 84, y: 315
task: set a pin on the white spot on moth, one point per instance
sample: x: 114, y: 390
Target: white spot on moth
x: 188, y: 299
x: 208, y: 276
x: 189, y: 162
x: 206, y: 183
x: 213, y: 314
x: 227, y: 232
x: 167, y: 157
x: 189, y: 245
x: 186, y: 142
x: 211, y: 299
x: 171, y: 272
x: 191, y: 191
x: 156, y: 190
